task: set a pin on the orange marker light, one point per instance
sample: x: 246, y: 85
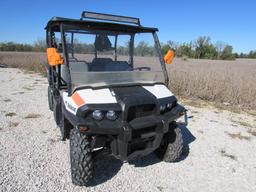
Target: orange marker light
x: 83, y: 129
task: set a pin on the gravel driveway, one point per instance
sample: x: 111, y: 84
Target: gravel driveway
x: 220, y: 156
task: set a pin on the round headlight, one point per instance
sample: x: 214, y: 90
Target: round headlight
x: 169, y: 105
x: 162, y: 108
x: 97, y: 115
x: 111, y: 115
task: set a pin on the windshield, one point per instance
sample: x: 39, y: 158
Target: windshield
x: 109, y: 58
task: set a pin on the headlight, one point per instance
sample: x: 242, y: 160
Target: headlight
x: 165, y: 107
x: 111, y: 115
x: 97, y: 115
x: 162, y: 107
x: 169, y: 105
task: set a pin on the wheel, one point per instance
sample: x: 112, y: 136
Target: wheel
x: 57, y: 111
x: 171, y: 146
x: 50, y: 98
x: 81, y: 158
x: 65, y: 127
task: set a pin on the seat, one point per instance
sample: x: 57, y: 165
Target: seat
x: 75, y: 67
x: 118, y: 66
x: 78, y: 66
x: 99, y: 64
x: 107, y: 64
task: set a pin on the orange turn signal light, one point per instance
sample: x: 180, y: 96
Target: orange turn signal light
x: 83, y: 129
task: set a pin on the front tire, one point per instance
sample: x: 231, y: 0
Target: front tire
x: 65, y: 127
x: 171, y: 146
x: 81, y: 158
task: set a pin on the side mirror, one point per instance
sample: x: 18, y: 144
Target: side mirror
x: 54, y: 58
x: 168, y: 58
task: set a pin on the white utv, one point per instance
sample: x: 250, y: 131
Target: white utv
x: 108, y: 90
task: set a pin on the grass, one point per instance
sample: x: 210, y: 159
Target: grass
x: 29, y: 61
x: 13, y: 124
x: 238, y: 136
x: 38, y: 80
x: 193, y: 102
x: 252, y: 131
x: 10, y: 114
x: 7, y: 100
x: 27, y: 88
x: 252, y: 112
x: 245, y: 124
x: 230, y: 84
x: 32, y: 116
x: 52, y: 140
x: 225, y: 154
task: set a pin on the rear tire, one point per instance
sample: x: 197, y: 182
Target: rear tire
x: 57, y: 110
x: 50, y: 98
x: 81, y: 158
x: 171, y: 146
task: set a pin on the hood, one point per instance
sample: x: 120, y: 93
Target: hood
x: 122, y: 95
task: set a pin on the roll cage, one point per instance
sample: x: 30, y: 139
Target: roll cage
x: 92, y: 22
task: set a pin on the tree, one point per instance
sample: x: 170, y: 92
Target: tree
x: 227, y: 53
x: 123, y: 50
x: 39, y: 45
x: 143, y: 49
x: 219, y: 47
x: 186, y: 49
x: 169, y: 45
x: 200, y: 45
x: 210, y: 52
x: 165, y: 48
x: 252, y: 54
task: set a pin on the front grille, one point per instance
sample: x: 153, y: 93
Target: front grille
x: 140, y: 111
x: 141, y: 139
x: 137, y: 133
x: 139, y: 144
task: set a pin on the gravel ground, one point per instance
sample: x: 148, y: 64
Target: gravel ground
x: 220, y: 155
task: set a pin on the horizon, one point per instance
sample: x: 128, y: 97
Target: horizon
x: 183, y: 22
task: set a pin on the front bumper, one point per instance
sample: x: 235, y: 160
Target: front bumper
x: 137, y: 138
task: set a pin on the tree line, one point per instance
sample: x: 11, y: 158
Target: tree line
x: 201, y: 48
x: 38, y: 46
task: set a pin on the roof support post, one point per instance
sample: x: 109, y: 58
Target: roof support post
x: 115, y: 47
x: 159, y: 52
x: 131, y: 49
x: 66, y: 62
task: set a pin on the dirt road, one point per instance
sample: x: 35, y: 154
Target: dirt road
x: 220, y: 155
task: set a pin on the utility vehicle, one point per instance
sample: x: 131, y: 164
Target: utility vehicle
x: 108, y: 90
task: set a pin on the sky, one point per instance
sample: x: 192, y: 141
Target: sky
x: 229, y: 21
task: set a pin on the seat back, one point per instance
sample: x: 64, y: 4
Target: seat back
x: 75, y: 66
x: 107, y: 64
